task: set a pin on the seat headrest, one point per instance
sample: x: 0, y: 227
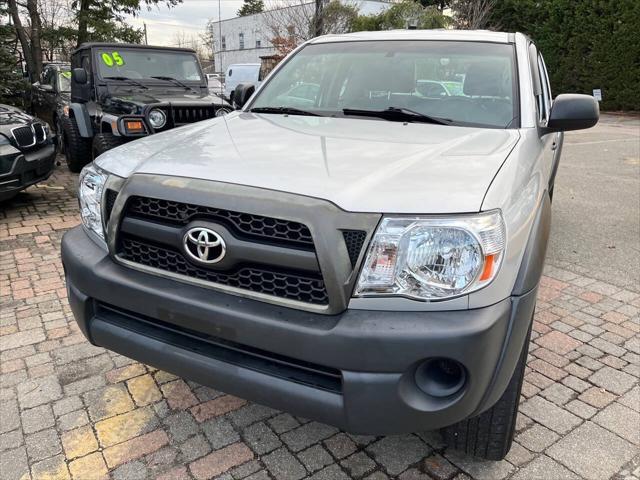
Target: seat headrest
x: 485, y: 80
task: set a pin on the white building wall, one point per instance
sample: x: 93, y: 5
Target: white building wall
x: 253, y: 28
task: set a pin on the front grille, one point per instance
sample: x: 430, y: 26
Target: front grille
x: 244, y: 356
x: 184, y: 114
x: 299, y: 286
x: 41, y: 136
x: 24, y: 136
x: 254, y: 227
x: 354, y: 240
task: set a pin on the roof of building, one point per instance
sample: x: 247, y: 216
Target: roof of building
x: 440, y: 34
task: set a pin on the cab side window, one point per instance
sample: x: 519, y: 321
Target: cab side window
x: 48, y: 77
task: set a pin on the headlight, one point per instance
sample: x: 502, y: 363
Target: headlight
x: 157, y: 118
x: 4, y: 140
x: 433, y: 258
x: 92, y: 181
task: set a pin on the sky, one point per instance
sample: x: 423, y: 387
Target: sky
x: 190, y: 17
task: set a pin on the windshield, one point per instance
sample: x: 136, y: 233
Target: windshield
x: 64, y: 80
x: 469, y: 83
x: 144, y: 64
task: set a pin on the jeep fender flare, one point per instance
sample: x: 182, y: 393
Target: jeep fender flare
x: 83, y: 120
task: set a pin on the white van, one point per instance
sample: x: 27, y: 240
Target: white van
x: 240, y: 73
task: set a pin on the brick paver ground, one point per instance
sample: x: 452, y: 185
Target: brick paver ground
x: 71, y: 410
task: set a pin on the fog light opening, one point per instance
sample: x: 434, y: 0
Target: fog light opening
x: 440, y: 377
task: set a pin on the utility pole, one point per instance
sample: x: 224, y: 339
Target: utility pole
x: 319, y: 22
x: 146, y: 41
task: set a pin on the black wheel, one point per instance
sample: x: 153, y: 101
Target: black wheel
x: 77, y: 149
x: 490, y: 434
x: 103, y: 142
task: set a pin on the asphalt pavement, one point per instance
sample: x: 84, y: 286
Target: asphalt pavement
x: 596, y: 206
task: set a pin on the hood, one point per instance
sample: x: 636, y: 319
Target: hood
x: 134, y: 101
x: 12, y: 116
x: 361, y: 165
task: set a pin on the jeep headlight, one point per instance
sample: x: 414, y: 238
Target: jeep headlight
x: 433, y: 258
x: 92, y: 180
x: 157, y: 118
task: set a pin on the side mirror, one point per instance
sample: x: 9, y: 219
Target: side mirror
x: 242, y: 93
x: 79, y: 76
x: 571, y: 111
x: 45, y: 87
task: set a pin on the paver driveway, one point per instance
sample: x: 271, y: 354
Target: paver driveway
x: 69, y: 409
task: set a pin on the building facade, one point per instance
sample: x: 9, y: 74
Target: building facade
x: 247, y: 39
x: 241, y: 40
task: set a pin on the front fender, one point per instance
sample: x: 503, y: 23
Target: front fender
x: 83, y: 119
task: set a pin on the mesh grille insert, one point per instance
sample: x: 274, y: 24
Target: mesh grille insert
x: 354, y: 240
x: 257, y: 227
x: 23, y: 136
x: 109, y: 201
x: 261, y: 279
x: 39, y: 131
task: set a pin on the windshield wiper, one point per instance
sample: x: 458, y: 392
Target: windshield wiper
x: 398, y: 114
x: 127, y: 79
x: 285, y: 110
x: 174, y: 80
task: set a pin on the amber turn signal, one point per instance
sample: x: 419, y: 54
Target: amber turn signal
x: 134, y: 126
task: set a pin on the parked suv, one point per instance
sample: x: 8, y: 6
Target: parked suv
x: 121, y: 92
x: 50, y: 96
x: 367, y: 257
x: 27, y: 151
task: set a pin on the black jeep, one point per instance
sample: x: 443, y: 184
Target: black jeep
x: 120, y: 92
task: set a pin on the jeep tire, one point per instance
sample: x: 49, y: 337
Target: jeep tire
x: 490, y: 434
x: 77, y: 149
x: 103, y: 142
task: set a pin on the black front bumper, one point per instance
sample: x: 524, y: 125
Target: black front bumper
x: 355, y: 370
x: 28, y: 169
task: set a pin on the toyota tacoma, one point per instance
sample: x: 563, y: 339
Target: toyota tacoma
x: 365, y: 253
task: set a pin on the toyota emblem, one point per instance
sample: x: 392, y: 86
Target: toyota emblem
x: 204, y: 245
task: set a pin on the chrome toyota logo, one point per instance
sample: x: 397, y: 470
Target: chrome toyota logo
x: 204, y: 245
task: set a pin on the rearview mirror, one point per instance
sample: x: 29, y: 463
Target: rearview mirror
x: 79, y: 76
x: 242, y: 93
x: 571, y: 111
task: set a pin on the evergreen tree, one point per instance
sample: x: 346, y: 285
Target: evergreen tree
x: 250, y: 7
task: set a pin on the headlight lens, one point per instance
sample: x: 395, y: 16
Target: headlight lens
x: 157, y: 118
x: 433, y: 258
x: 4, y: 140
x: 92, y: 181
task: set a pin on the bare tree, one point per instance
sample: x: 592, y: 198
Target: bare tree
x: 29, y: 36
x: 296, y: 22
x: 195, y: 42
x: 471, y: 14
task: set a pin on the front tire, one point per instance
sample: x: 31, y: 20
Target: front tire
x: 490, y: 434
x: 77, y: 149
x: 103, y: 142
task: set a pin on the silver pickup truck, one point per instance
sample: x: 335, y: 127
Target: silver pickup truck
x: 361, y: 243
